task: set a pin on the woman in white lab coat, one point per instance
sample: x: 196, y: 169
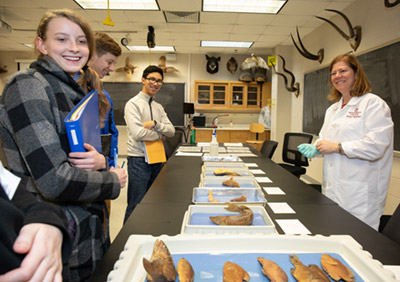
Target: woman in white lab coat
x: 356, y: 141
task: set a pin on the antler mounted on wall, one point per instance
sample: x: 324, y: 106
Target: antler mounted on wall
x: 390, y: 5
x: 294, y: 86
x: 303, y: 51
x: 355, y: 32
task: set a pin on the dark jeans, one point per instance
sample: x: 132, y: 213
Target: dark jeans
x: 140, y: 177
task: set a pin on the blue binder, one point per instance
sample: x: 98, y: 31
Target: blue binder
x: 83, y: 125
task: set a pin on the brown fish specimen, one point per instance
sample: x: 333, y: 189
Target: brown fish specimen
x: 161, y: 265
x: 272, y: 270
x: 244, y: 218
x: 303, y: 273
x: 335, y: 269
x: 224, y: 171
x: 211, y: 197
x: 185, y: 271
x: 230, y: 183
x: 239, y: 199
x: 234, y: 273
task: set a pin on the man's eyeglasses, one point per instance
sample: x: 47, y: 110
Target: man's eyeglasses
x: 154, y: 80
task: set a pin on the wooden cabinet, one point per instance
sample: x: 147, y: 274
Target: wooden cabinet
x: 231, y: 95
x: 211, y: 95
x: 239, y: 136
x: 233, y: 136
x: 223, y: 136
x: 245, y: 95
x: 203, y: 135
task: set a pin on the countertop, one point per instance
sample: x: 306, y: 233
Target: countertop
x: 227, y: 127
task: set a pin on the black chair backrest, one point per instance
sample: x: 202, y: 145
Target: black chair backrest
x: 392, y: 228
x: 172, y: 143
x: 268, y: 148
x: 290, y: 153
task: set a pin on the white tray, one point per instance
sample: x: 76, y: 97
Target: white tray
x: 196, y: 221
x: 228, y: 165
x: 129, y: 267
x: 242, y: 171
x: 216, y: 181
x: 225, y: 158
x: 254, y: 196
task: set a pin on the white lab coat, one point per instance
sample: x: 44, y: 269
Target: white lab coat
x: 358, y: 181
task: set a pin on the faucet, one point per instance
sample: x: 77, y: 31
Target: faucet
x: 215, y: 119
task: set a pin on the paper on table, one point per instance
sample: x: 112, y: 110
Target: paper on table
x: 251, y: 164
x: 281, y: 208
x: 239, y: 154
x: 274, y: 191
x: 257, y: 171
x: 188, y: 154
x: 233, y: 144
x: 203, y: 144
x: 292, y: 226
x: 263, y: 179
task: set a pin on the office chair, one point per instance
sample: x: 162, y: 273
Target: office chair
x: 294, y: 160
x: 256, y: 128
x: 392, y: 227
x: 268, y: 148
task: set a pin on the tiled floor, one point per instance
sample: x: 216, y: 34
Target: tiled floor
x: 118, y: 207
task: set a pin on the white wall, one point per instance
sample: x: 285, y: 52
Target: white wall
x: 379, y: 28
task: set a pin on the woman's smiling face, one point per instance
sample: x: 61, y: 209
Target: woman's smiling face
x: 66, y: 43
x: 343, y: 77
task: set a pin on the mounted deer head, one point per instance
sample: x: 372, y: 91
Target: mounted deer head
x: 303, y: 51
x: 390, y: 5
x: 294, y: 86
x: 355, y: 32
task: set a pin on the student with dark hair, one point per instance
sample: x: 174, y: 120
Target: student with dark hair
x: 146, y: 120
x: 36, y: 102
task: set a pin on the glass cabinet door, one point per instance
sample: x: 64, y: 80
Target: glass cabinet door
x: 219, y: 94
x: 237, y: 95
x: 204, y: 94
x: 253, y: 96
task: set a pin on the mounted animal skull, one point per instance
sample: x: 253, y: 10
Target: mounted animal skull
x: 128, y: 69
x: 303, y: 51
x: 253, y: 68
x: 355, y: 32
x: 294, y: 86
x: 390, y: 5
x: 162, y: 65
x: 212, y: 64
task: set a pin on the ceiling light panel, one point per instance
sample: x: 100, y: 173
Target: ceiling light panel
x: 155, y: 49
x: 232, y: 44
x: 244, y: 6
x: 119, y: 4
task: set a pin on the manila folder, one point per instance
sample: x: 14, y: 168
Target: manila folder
x: 154, y: 152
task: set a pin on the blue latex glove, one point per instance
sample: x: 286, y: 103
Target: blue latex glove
x: 308, y: 150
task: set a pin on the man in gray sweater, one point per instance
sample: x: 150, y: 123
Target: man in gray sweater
x: 146, y: 120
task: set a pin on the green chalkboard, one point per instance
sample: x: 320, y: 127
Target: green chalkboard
x: 171, y: 96
x: 382, y: 67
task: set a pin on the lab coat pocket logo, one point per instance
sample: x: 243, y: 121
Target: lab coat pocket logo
x: 354, y: 114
